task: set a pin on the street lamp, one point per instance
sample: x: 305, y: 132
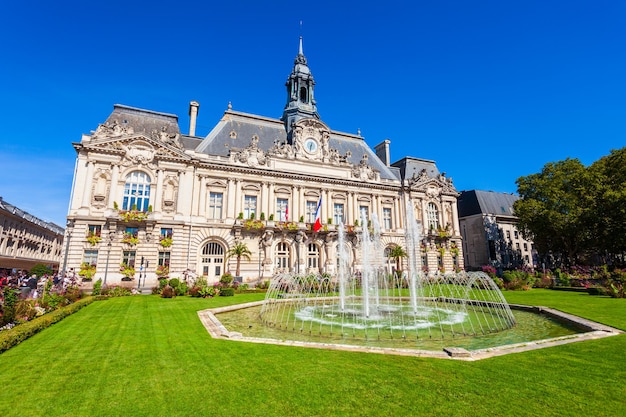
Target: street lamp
x: 69, y: 224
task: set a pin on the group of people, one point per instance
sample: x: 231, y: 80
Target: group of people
x: 32, y: 286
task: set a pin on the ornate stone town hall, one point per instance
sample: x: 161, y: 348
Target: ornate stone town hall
x: 143, y: 190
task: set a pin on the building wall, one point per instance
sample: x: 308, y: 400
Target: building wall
x: 181, y: 183
x: 508, y: 247
x: 26, y: 241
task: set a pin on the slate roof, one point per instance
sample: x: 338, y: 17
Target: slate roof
x: 486, y: 202
x: 409, y: 166
x: 16, y: 211
x: 235, y: 130
x: 143, y: 121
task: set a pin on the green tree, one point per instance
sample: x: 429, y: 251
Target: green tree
x: 556, y: 209
x: 610, y: 200
x: 397, y: 253
x: 240, y: 250
x: 40, y: 270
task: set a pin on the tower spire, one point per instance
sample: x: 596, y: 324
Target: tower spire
x: 300, y: 99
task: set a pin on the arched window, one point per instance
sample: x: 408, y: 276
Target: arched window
x: 312, y: 256
x: 212, y: 260
x: 304, y: 95
x: 282, y: 256
x: 136, y: 191
x: 433, y: 216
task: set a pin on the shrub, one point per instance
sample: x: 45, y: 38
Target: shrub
x: 226, y: 279
x: 52, y: 301
x: 227, y: 292
x: 25, y: 311
x: 97, y: 286
x: 209, y: 292
x: 11, y: 297
x: 597, y: 291
x: 73, y: 294
x: 168, y: 292
x: 174, y: 282
x: 181, y: 289
x: 562, y: 278
x: 263, y: 285
x: 116, y: 291
x: 18, y: 334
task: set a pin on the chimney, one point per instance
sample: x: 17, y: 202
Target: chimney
x: 193, y: 115
x: 382, y: 151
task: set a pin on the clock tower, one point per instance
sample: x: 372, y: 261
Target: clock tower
x: 300, y: 99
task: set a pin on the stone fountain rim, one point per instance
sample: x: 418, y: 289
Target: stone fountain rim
x: 591, y: 331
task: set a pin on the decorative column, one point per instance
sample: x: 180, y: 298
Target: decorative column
x: 271, y: 200
x: 159, y: 191
x: 88, y: 185
x: 202, y: 199
x: 115, y: 174
x: 182, y: 190
x: 264, y: 203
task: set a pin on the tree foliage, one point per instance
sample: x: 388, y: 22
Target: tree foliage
x: 397, y: 253
x: 40, y: 270
x: 576, y: 213
x: 240, y: 250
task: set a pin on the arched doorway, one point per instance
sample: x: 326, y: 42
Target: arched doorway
x: 212, y: 262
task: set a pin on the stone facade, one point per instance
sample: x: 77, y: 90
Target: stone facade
x: 490, y: 234
x: 148, y: 192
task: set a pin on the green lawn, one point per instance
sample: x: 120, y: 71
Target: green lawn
x: 144, y: 355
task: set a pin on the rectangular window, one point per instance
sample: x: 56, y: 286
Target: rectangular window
x: 128, y: 258
x: 215, y: 205
x: 311, y: 208
x: 517, y: 245
x: 508, y: 234
x: 525, y: 247
x: 95, y: 230
x: 132, y: 231
x: 364, y: 210
x: 338, y: 213
x: 166, y: 232
x: 90, y: 257
x: 515, y: 234
x: 281, y: 209
x: 387, y: 218
x: 164, y: 259
x: 249, y: 206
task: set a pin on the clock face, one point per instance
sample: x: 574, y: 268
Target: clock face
x: 310, y: 145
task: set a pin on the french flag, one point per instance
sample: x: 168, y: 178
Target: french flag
x: 318, y: 222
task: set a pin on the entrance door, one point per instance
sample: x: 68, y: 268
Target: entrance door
x: 213, y: 261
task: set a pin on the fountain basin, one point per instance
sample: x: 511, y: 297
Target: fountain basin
x: 241, y: 323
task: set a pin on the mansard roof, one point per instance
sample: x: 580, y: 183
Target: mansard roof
x: 236, y: 129
x: 9, y: 208
x: 410, y: 167
x: 142, y: 120
x: 486, y: 202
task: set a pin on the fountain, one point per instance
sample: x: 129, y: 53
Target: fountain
x: 377, y: 305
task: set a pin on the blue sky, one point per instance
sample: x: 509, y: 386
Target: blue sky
x: 490, y: 90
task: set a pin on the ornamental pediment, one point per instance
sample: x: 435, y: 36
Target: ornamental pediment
x: 432, y: 186
x: 138, y: 145
x: 116, y: 136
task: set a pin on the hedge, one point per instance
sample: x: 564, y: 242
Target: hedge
x: 16, y: 335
